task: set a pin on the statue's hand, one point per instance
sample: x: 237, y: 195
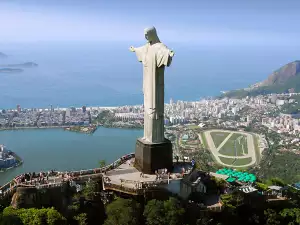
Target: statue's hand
x: 132, y: 49
x: 172, y: 53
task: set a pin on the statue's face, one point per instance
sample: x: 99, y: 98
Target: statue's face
x: 146, y: 36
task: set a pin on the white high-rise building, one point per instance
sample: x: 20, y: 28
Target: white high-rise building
x: 233, y: 110
x: 68, y: 113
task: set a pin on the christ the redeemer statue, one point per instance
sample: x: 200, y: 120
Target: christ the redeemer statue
x: 155, y: 56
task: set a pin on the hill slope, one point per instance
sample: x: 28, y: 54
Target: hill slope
x: 2, y: 55
x: 282, y: 80
x: 282, y: 75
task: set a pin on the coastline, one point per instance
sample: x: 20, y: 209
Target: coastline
x: 23, y: 128
x: 64, y: 127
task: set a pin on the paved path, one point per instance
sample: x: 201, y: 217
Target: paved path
x: 223, y: 142
x: 215, y: 151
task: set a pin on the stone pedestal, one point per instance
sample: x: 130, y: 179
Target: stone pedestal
x: 153, y: 156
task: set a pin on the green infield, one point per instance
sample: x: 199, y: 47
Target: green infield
x: 236, y: 145
x: 218, y: 137
x: 243, y: 161
x: 227, y: 161
x: 235, y: 161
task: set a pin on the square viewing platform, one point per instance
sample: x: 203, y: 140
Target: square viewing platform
x: 128, y: 179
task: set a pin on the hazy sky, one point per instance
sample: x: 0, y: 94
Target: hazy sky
x: 207, y: 22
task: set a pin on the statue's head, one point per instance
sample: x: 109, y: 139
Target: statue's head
x: 151, y: 35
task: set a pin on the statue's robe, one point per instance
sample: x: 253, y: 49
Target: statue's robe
x: 154, y: 58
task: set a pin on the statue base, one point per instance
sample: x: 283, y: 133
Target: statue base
x: 153, y: 156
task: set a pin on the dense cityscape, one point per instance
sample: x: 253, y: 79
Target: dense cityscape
x: 225, y: 112
x: 187, y: 124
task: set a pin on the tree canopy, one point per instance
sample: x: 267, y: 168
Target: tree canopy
x: 123, y: 212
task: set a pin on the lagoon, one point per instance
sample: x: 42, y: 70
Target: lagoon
x: 46, y: 149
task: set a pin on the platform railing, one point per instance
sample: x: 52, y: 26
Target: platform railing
x: 13, y: 184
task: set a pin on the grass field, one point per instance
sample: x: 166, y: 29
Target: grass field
x: 235, y: 161
x: 203, y: 140
x: 257, y: 151
x: 235, y: 146
x: 243, y: 161
x: 218, y: 137
x: 227, y: 161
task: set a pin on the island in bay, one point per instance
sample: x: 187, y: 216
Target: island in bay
x: 11, y: 70
x: 21, y: 65
x: 8, y: 159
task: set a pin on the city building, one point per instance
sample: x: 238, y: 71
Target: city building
x: 6, y: 159
x: 18, y: 108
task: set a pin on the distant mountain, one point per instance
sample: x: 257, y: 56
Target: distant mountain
x: 10, y: 70
x: 22, y: 65
x: 2, y: 55
x: 282, y: 75
x: 285, y: 79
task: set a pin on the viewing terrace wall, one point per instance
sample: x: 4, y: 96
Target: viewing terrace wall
x: 10, y: 187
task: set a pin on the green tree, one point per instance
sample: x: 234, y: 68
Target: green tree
x: 261, y: 186
x: 102, y: 163
x: 167, y: 212
x: 123, y: 212
x: 89, y: 190
x: 54, y: 217
x: 32, y: 216
x: 174, y: 211
x: 154, y: 212
x: 9, y: 217
x: 291, y: 216
x: 277, y: 181
x: 81, y: 219
x: 272, y: 218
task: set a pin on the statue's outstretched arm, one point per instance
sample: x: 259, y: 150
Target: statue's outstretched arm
x: 132, y: 49
x: 172, y: 53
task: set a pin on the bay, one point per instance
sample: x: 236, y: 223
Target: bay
x: 46, y: 149
x: 107, y: 74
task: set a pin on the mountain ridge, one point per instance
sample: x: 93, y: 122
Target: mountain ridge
x: 283, y: 80
x: 281, y: 75
x: 2, y: 55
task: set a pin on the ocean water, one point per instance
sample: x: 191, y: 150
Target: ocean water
x: 107, y: 74
x: 46, y: 149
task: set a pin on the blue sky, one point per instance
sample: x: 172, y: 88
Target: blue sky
x: 251, y: 22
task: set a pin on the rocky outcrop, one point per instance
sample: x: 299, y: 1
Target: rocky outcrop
x: 25, y: 197
x: 31, y: 197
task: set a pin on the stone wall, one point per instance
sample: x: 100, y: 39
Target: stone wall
x: 28, y: 197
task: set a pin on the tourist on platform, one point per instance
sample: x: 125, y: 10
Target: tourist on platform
x: 193, y: 162
x: 156, y: 178
x: 183, y: 171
